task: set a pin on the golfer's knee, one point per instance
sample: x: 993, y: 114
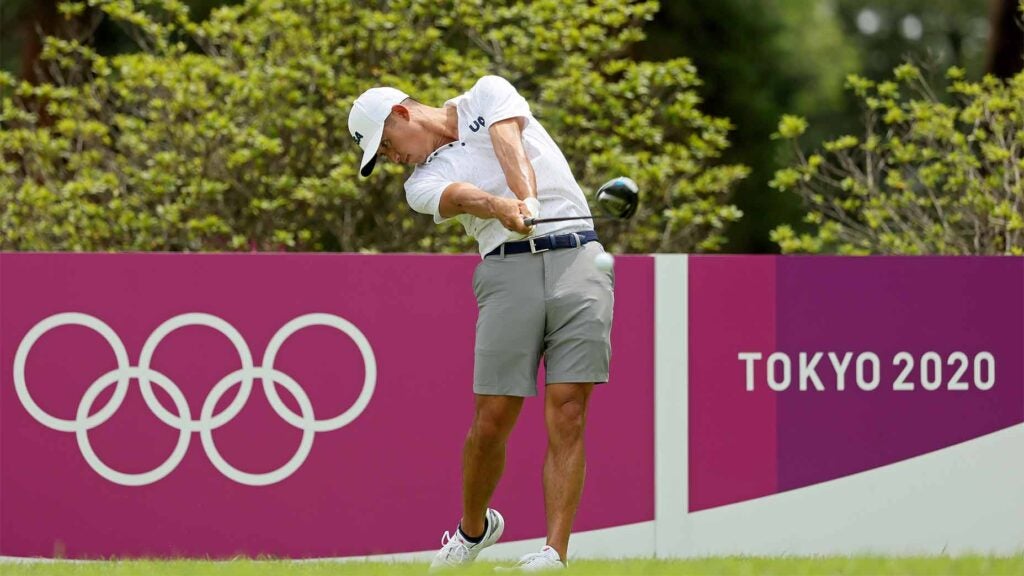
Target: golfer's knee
x: 567, y: 420
x: 490, y: 429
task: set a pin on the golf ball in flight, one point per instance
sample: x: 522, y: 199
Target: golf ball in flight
x: 604, y: 261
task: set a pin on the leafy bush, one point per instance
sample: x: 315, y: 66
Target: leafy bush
x: 231, y: 133
x: 927, y: 177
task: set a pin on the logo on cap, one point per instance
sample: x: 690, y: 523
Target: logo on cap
x: 358, y: 137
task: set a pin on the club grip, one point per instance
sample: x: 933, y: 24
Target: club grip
x: 529, y: 221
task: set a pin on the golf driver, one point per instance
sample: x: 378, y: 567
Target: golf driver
x: 618, y: 197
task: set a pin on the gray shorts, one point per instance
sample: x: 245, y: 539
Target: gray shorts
x: 554, y: 304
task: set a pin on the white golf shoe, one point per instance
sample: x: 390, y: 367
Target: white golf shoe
x: 457, y: 551
x: 546, y: 559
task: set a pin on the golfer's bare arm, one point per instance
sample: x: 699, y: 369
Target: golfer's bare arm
x: 464, y: 198
x: 507, y: 139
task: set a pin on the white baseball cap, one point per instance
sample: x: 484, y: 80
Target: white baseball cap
x: 366, y: 122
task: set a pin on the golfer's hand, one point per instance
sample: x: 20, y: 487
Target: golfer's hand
x: 511, y: 213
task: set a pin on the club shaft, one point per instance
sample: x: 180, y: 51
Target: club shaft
x: 532, y: 221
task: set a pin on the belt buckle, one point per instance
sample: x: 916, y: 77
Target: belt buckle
x: 533, y: 247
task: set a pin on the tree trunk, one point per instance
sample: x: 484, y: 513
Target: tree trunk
x: 40, y: 15
x: 1006, y: 43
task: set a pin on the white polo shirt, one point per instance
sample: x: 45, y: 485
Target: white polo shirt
x: 471, y: 159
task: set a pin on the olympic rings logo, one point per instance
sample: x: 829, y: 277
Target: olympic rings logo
x: 207, y: 422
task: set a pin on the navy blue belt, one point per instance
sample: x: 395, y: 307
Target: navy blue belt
x: 545, y: 243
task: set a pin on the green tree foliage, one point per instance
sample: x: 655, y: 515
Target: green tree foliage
x: 231, y: 133
x: 927, y: 177
x: 759, y: 59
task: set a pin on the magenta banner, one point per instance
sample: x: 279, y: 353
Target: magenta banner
x: 804, y: 370
x: 291, y: 405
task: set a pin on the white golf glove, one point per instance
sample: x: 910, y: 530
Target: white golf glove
x: 533, y: 206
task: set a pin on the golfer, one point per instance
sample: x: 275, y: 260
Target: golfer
x: 484, y: 160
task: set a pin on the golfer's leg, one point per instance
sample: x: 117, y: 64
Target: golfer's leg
x: 483, y: 457
x: 509, y: 340
x: 565, y: 411
x: 577, y: 349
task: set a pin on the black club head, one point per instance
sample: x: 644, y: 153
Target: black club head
x: 619, y: 197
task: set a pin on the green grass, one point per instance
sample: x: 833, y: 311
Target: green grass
x: 735, y: 566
